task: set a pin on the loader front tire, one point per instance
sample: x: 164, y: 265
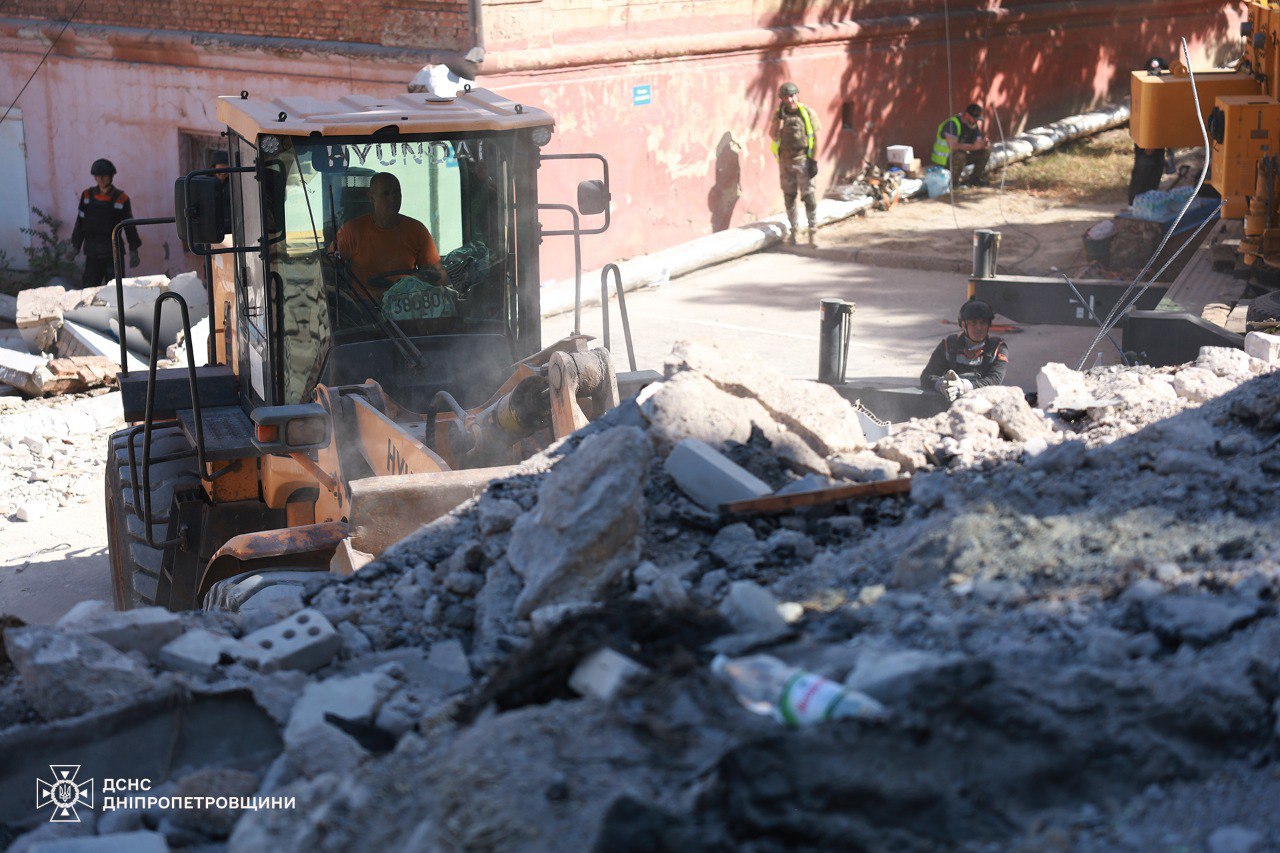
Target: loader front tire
x: 136, y: 565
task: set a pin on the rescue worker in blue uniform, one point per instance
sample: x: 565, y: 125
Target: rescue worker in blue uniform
x: 971, y: 358
x: 102, y: 207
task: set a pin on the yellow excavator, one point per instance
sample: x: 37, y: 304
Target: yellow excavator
x: 1241, y: 116
x: 345, y: 403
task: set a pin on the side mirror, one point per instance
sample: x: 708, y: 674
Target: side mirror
x: 198, y: 210
x: 593, y: 198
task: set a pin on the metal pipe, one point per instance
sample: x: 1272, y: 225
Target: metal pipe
x: 622, y: 309
x: 833, y: 340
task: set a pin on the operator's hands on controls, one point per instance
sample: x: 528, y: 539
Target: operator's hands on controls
x: 951, y: 386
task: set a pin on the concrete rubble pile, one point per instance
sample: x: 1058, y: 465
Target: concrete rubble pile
x: 51, y: 452
x: 68, y: 340
x: 1071, y: 619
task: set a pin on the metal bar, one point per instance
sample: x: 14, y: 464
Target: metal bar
x: 607, y: 208
x: 117, y: 259
x: 149, y: 416
x: 604, y: 306
x: 577, y: 258
x: 622, y: 309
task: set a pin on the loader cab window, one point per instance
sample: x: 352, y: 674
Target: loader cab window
x: 458, y: 190
x: 251, y: 285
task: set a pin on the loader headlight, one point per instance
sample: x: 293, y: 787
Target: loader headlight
x: 290, y: 429
x: 541, y: 135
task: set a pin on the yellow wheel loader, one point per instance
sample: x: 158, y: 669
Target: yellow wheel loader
x: 346, y: 400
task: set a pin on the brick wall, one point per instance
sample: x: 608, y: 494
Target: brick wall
x: 427, y: 24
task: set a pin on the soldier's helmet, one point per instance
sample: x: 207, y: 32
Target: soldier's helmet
x: 788, y: 89
x: 976, y: 309
x: 102, y: 166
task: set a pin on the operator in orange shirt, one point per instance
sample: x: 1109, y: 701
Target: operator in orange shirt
x: 384, y: 241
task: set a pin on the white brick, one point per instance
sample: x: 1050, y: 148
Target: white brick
x: 709, y: 477
x: 305, y: 641
x: 1263, y: 347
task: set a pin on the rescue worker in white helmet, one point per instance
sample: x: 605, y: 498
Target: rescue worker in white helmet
x: 971, y: 358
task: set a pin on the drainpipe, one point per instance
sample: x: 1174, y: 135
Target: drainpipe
x: 476, y: 54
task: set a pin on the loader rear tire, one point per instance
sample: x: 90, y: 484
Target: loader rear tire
x: 136, y: 565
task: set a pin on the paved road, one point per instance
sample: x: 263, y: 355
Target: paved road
x: 765, y: 307
x: 46, y: 566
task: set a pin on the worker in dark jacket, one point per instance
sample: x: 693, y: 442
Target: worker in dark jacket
x: 971, y: 358
x: 102, y: 207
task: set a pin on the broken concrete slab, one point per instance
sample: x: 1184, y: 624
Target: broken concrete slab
x: 39, y: 316
x: 1229, y: 362
x: 751, y: 609
x: 77, y: 340
x: 19, y: 369
x: 584, y: 533
x: 144, y: 630
x: 200, y: 652
x: 709, y: 477
x: 64, y: 675
x: 1197, y: 619
x: 348, y: 559
x: 603, y: 673
x: 37, y: 376
x: 177, y: 351
x: 1199, y: 384
x: 1060, y: 387
x: 863, y: 466
x: 356, y: 699
x: 813, y: 411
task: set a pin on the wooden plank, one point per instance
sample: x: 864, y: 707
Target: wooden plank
x: 818, y: 497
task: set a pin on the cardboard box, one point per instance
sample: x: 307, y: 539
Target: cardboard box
x: 900, y: 155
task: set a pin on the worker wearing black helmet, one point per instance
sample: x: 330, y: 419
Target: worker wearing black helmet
x: 971, y: 358
x: 102, y: 207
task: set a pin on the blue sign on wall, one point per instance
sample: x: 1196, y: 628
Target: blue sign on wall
x: 641, y: 96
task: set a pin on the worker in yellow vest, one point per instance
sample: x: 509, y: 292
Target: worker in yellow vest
x: 961, y: 142
x: 794, y: 134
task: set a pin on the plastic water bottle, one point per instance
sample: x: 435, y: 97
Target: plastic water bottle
x: 767, y: 686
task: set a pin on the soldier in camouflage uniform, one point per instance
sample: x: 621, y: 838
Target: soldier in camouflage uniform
x: 794, y: 133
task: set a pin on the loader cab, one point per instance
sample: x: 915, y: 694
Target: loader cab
x: 304, y: 314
